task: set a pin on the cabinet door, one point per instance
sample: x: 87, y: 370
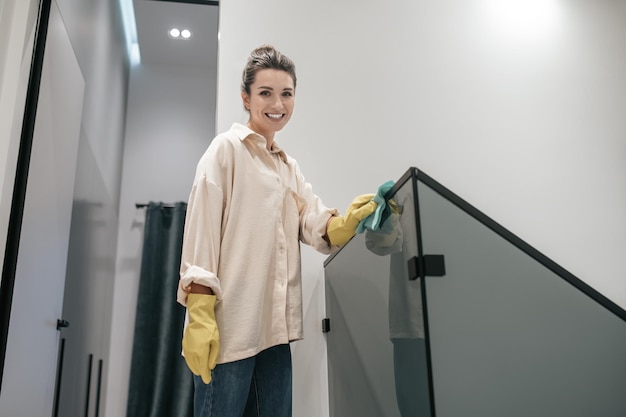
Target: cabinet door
x: 31, y: 354
x: 87, y: 291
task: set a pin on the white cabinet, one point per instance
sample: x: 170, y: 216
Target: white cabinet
x: 31, y: 354
x: 88, y: 292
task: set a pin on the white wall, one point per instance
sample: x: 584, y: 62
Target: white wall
x: 518, y: 109
x: 97, y: 34
x: 170, y: 123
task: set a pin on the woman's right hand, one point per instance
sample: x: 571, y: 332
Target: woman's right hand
x: 201, y: 339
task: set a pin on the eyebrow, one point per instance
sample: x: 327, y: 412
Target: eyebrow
x: 270, y: 88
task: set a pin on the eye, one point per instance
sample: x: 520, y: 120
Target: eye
x: 287, y: 94
x: 264, y: 93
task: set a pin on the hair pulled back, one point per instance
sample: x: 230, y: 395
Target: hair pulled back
x: 266, y: 57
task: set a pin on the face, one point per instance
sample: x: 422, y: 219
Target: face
x: 270, y: 102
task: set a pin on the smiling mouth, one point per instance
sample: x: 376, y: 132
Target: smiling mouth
x: 275, y: 116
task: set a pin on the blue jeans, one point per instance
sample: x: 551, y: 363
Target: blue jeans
x: 259, y: 386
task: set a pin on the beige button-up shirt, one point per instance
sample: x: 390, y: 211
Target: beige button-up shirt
x: 248, y: 211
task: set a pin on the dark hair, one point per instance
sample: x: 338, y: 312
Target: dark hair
x: 266, y: 57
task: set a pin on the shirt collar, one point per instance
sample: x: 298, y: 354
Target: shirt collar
x: 243, y: 132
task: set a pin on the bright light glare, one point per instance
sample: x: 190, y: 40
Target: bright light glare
x: 185, y: 34
x: 174, y: 33
x: 134, y: 54
x: 130, y: 31
x: 524, y: 20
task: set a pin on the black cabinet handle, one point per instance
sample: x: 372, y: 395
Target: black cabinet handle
x: 88, y: 384
x: 62, y: 323
x: 57, y: 388
x: 99, y: 386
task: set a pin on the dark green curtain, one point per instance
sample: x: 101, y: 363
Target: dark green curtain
x: 161, y: 385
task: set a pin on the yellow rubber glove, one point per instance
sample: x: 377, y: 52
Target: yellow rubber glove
x: 340, y: 229
x: 201, y: 340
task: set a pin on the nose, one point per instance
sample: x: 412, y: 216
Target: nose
x: 277, y: 102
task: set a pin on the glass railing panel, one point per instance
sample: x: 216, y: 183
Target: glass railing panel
x: 508, y: 336
x: 376, y: 350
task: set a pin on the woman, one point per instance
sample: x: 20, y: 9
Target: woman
x: 248, y: 211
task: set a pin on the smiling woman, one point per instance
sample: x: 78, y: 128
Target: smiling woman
x: 455, y: 92
x: 270, y: 101
x: 249, y: 210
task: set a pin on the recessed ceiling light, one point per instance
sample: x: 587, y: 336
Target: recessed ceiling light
x: 176, y: 33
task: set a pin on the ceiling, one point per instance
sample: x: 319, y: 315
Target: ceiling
x: 153, y: 20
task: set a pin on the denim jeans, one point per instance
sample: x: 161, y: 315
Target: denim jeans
x: 259, y: 386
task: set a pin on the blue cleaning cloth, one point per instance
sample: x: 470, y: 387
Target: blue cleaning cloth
x: 373, y: 221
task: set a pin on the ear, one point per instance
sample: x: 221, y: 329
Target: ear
x: 246, y: 100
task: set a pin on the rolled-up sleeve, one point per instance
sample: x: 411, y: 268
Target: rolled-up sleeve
x: 201, y: 245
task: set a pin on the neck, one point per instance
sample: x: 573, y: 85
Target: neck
x: 269, y: 137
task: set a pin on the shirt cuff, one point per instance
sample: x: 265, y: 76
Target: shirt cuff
x: 318, y: 242
x: 199, y: 276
